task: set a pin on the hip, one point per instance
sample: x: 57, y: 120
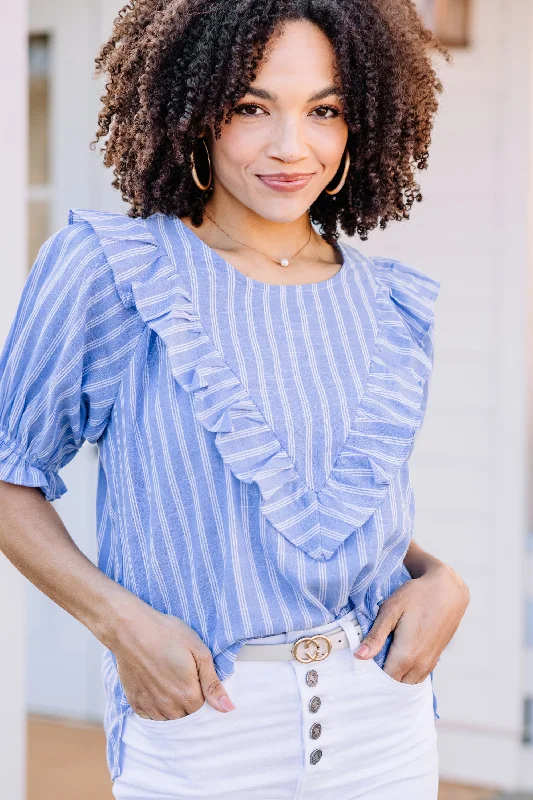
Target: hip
x: 300, y: 727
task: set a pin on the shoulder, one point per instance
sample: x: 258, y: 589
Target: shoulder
x: 71, y: 251
x: 104, y: 225
x: 127, y: 243
x: 412, y: 291
x: 76, y: 274
x: 77, y: 252
x: 399, y: 275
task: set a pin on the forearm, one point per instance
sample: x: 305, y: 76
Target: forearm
x: 35, y: 540
x: 419, y: 561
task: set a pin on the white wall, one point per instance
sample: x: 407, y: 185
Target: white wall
x: 64, y: 658
x: 13, y: 58
x: 469, y: 466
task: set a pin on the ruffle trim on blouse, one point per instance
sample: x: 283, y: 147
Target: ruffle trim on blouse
x: 413, y: 293
x: 385, y: 424
x: 15, y: 468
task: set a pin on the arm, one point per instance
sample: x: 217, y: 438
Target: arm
x: 34, y: 539
x: 424, y: 614
x: 419, y: 561
x: 160, y: 682
x: 60, y: 369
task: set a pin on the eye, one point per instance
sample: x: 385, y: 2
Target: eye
x: 247, y: 110
x: 335, y: 112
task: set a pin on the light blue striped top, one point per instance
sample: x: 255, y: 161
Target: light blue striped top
x: 253, y: 438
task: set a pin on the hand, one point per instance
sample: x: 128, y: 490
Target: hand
x: 424, y: 614
x: 165, y: 667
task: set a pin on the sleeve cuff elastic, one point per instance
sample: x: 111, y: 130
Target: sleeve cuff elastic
x: 16, y: 468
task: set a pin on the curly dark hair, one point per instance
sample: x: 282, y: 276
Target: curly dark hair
x: 174, y: 67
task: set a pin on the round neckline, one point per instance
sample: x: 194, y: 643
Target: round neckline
x: 228, y: 268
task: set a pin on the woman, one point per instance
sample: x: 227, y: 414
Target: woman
x: 255, y: 388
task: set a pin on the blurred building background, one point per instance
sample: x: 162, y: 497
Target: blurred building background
x: 473, y: 464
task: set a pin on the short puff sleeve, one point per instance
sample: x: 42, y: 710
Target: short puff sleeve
x: 61, y: 365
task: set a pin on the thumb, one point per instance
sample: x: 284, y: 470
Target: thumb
x: 385, y: 622
x: 212, y: 687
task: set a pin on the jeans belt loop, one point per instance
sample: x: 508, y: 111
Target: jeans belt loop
x: 348, y: 626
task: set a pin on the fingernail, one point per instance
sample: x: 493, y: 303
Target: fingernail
x: 226, y: 703
x: 363, y: 650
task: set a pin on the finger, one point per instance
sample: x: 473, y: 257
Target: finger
x: 405, y: 666
x: 413, y: 677
x: 385, y: 622
x: 149, y: 710
x: 150, y: 714
x: 417, y: 674
x: 212, y: 687
x: 401, y: 660
x: 397, y: 670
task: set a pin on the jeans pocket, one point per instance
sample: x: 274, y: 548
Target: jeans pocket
x: 398, y: 686
x: 163, y: 726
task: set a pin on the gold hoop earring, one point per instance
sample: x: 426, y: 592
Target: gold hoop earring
x: 344, y: 174
x: 196, y: 179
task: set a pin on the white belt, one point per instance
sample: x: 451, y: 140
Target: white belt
x: 305, y: 649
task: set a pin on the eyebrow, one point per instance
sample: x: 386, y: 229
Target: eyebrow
x: 264, y: 94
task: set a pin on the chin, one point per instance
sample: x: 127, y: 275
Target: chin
x: 282, y: 213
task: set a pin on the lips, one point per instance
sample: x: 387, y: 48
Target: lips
x: 286, y: 176
x: 286, y: 182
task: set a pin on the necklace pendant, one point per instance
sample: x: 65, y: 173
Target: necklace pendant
x: 284, y: 262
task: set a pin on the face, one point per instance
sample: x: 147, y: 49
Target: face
x: 286, y: 141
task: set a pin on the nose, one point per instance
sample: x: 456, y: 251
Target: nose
x: 287, y: 140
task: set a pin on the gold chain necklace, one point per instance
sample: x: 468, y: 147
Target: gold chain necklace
x: 284, y: 261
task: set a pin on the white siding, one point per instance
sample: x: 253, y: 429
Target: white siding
x: 13, y: 76
x: 63, y: 656
x: 469, y: 466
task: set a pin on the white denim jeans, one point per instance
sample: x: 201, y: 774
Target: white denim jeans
x: 376, y: 738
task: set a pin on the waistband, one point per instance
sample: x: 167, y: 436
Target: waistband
x: 291, y: 636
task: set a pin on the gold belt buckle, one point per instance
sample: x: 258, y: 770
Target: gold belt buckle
x: 311, y: 654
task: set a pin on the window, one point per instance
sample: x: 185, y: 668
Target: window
x: 39, y: 172
x: 450, y: 19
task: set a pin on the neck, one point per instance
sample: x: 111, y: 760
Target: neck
x: 279, y: 239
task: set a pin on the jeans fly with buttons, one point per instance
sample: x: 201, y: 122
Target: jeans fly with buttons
x: 339, y: 728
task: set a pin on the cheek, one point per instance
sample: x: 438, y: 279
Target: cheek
x: 329, y: 145
x: 236, y: 150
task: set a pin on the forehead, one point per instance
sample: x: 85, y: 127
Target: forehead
x: 299, y: 53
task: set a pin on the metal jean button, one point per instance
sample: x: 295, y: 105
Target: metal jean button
x: 311, y: 677
x: 315, y: 730
x: 314, y: 704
